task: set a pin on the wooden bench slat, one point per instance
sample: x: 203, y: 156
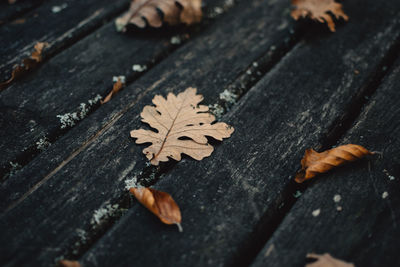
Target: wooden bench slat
x: 92, y: 176
x: 229, y: 200
x: 366, y: 229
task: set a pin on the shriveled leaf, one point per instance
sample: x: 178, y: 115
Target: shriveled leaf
x: 67, y: 263
x: 116, y: 88
x: 173, y: 13
x: 326, y: 260
x: 27, y: 64
x: 160, y: 204
x: 314, y: 163
x: 182, y: 127
x: 318, y: 10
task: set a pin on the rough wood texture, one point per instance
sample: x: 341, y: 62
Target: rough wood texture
x: 366, y: 231
x: 73, y: 20
x: 229, y: 200
x: 80, y: 176
x: 10, y: 12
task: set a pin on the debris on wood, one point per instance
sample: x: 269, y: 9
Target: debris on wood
x: 326, y: 260
x: 182, y: 126
x: 160, y: 204
x: 145, y: 12
x: 119, y: 83
x: 316, y: 212
x: 67, y: 263
x: 314, y: 163
x: 319, y: 10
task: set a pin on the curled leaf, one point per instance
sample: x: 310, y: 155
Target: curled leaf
x: 173, y: 13
x: 314, y: 163
x: 67, y: 263
x: 318, y: 10
x: 326, y: 260
x: 27, y: 64
x: 182, y: 127
x: 160, y: 204
x: 116, y: 88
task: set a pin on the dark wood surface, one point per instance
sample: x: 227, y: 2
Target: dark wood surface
x: 293, y: 86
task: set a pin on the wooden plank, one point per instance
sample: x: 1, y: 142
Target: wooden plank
x: 11, y: 12
x: 59, y: 27
x: 78, y: 169
x: 228, y: 201
x: 366, y: 229
x: 63, y: 85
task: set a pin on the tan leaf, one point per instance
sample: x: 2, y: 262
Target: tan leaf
x: 159, y: 203
x: 318, y: 10
x: 173, y: 12
x: 175, y: 118
x: 326, y: 260
x: 67, y: 263
x: 314, y: 163
x: 27, y: 64
x: 116, y: 88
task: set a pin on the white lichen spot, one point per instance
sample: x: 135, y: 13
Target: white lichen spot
x: 82, y: 234
x: 176, y: 40
x: 337, y: 198
x: 122, y: 78
x: 255, y: 64
x: 297, y: 194
x: 56, y: 9
x: 15, y: 167
x: 217, y: 110
x: 139, y: 68
x: 129, y: 183
x: 42, y: 144
x: 95, y: 100
x: 339, y: 208
x: 228, y: 96
x: 385, y: 195
x: 391, y: 177
x: 316, y: 212
x: 103, y: 213
x: 218, y: 10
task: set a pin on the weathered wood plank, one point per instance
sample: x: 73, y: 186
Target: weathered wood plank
x: 89, y: 176
x: 366, y: 230
x: 67, y: 85
x: 11, y: 12
x: 59, y: 27
x: 229, y: 200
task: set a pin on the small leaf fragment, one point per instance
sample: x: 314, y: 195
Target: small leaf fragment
x: 26, y: 65
x: 118, y: 85
x: 326, y: 260
x: 160, y: 204
x: 314, y: 163
x: 67, y: 263
x: 318, y: 10
x: 182, y: 126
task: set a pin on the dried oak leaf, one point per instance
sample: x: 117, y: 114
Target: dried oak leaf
x: 27, y: 64
x: 116, y: 88
x: 314, y: 163
x: 326, y: 260
x: 67, y: 263
x: 173, y: 13
x: 318, y: 10
x: 160, y: 204
x: 182, y: 127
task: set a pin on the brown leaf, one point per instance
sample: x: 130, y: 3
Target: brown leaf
x: 27, y: 64
x: 314, y: 163
x: 174, y: 12
x: 326, y: 260
x: 175, y: 118
x: 116, y: 88
x: 159, y: 203
x: 67, y: 263
x: 318, y: 10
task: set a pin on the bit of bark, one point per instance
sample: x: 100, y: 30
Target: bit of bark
x: 314, y: 163
x: 27, y: 64
x: 160, y: 204
x: 173, y: 13
x: 175, y: 118
x: 326, y: 260
x: 318, y: 10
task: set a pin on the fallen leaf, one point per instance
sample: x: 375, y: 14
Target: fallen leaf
x: 173, y: 13
x: 27, y: 64
x: 67, y: 263
x: 314, y: 163
x: 159, y: 203
x: 318, y: 10
x: 116, y: 88
x: 326, y: 260
x: 182, y: 127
